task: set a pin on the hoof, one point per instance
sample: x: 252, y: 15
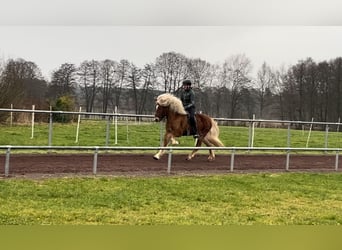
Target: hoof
x: 211, y: 158
x: 156, y: 157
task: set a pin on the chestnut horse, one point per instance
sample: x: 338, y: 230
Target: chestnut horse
x: 171, y: 107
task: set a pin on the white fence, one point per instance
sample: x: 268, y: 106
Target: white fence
x: 170, y: 151
x: 114, y: 116
x: 251, y: 124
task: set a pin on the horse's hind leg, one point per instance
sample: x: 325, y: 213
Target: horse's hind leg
x: 211, y: 156
x: 192, y: 154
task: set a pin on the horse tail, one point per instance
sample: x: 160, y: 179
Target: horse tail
x: 213, y: 134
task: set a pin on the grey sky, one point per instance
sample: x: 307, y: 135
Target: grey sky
x: 170, y: 12
x: 50, y: 46
x: 50, y: 33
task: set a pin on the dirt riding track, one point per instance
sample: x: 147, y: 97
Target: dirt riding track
x: 24, y: 165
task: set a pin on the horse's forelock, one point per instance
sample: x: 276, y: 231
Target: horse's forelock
x: 162, y: 100
x: 172, y: 101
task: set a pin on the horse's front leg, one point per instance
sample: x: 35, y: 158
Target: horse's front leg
x: 192, y: 154
x: 168, y: 138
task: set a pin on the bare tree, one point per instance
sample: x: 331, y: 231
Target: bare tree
x: 336, y: 81
x: 235, y: 77
x: 148, y: 80
x: 263, y: 86
x: 298, y: 73
x: 122, y: 71
x: 15, y: 77
x: 200, y: 72
x: 20, y: 82
x: 35, y: 93
x: 108, y: 68
x: 324, y: 101
x: 172, y: 69
x: 2, y: 66
x: 202, y: 75
x: 303, y: 77
x: 134, y: 78
x: 88, y: 78
x: 63, y: 81
x: 280, y: 78
x: 311, y: 87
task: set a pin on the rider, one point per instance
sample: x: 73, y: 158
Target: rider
x: 187, y: 97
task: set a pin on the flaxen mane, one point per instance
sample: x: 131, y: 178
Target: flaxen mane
x: 172, y: 101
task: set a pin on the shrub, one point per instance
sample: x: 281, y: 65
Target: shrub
x: 63, y: 103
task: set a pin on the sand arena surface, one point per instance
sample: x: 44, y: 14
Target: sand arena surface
x: 50, y: 165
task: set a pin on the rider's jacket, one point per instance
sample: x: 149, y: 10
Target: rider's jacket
x: 188, y: 98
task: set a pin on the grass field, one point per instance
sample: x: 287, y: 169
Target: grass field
x: 93, y: 133
x: 232, y: 199
x: 236, y: 199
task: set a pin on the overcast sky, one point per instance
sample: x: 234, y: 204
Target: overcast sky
x: 50, y: 33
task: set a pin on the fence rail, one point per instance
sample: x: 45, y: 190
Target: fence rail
x: 116, y: 114
x: 233, y: 150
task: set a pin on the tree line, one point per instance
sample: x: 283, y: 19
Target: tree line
x: 302, y: 91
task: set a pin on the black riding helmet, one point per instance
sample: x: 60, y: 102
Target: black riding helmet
x: 187, y: 82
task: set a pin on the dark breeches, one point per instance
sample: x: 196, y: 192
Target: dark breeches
x: 192, y: 120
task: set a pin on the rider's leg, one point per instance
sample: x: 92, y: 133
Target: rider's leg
x: 193, y: 122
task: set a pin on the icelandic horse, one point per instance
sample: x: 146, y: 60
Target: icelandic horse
x: 177, y: 124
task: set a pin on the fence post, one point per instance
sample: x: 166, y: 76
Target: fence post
x: 116, y: 125
x: 253, y: 128
x: 289, y: 135
x: 78, y: 125
x: 288, y: 160
x: 338, y: 125
x: 11, y: 115
x: 50, y: 128
x: 8, y: 153
x: 232, y: 160
x: 32, y: 125
x: 249, y: 134
x: 326, y: 137
x: 107, y: 130
x: 95, y: 160
x: 169, y: 161
x: 336, y: 160
x: 307, y: 141
x: 338, y: 130
x: 127, y: 138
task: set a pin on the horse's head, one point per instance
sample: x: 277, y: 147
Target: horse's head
x: 161, y: 103
x: 165, y: 103
x: 160, y: 113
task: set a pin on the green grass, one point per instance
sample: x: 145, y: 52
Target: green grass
x: 238, y: 199
x: 232, y: 199
x: 93, y: 133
